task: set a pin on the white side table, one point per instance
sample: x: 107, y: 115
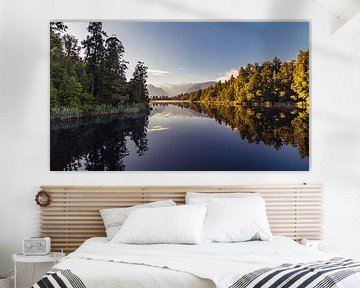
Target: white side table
x: 53, y: 257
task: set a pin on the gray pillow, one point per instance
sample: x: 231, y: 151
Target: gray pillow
x: 113, y: 218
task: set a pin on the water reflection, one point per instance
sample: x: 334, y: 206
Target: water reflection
x: 97, y: 144
x: 273, y: 126
x: 162, y: 139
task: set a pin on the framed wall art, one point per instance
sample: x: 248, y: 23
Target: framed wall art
x: 179, y: 96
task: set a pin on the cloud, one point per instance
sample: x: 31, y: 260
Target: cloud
x: 158, y: 72
x: 227, y: 75
x: 157, y: 128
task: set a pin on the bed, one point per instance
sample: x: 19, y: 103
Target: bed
x: 99, y: 263
x: 294, y: 211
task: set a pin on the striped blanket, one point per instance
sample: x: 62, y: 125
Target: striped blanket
x: 57, y: 278
x: 319, y: 274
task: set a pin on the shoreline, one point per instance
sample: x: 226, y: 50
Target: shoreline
x: 236, y: 103
x: 66, y: 113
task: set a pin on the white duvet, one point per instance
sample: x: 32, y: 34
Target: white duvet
x: 100, y: 263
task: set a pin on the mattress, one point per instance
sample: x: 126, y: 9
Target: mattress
x: 99, y: 263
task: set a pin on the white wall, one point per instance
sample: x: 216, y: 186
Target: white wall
x: 24, y: 111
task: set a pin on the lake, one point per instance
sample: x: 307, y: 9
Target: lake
x: 185, y: 137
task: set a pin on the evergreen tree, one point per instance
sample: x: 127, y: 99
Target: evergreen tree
x: 70, y: 90
x: 56, y: 29
x: 71, y: 48
x: 276, y: 64
x: 114, y: 85
x: 137, y: 86
x: 94, y: 56
x: 96, y: 83
x: 67, y: 72
x: 56, y: 57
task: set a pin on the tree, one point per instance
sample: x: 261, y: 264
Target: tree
x: 56, y: 57
x: 241, y: 79
x: 276, y: 64
x: 68, y: 77
x: 114, y: 83
x: 137, y: 86
x: 95, y: 83
x: 70, y: 91
x: 284, y: 80
x: 71, y: 48
x: 300, y: 83
x: 252, y: 91
x: 56, y: 29
x: 94, y: 56
x: 265, y: 87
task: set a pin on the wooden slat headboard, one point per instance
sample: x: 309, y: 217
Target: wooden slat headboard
x: 73, y: 215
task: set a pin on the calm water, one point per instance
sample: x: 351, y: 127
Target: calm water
x: 180, y: 137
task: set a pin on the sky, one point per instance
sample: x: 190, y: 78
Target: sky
x: 191, y: 52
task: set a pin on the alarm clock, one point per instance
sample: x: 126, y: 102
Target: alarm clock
x: 320, y: 245
x: 36, y: 246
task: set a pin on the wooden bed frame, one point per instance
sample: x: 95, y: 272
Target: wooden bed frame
x: 73, y: 214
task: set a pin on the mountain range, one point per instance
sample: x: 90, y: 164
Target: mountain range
x: 155, y: 91
x: 172, y: 90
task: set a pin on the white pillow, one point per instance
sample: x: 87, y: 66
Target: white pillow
x: 180, y: 224
x: 199, y: 198
x: 236, y: 220
x: 113, y: 218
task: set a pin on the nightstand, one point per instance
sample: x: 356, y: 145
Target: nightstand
x: 320, y: 245
x: 53, y: 257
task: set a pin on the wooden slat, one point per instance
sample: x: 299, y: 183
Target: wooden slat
x: 73, y: 216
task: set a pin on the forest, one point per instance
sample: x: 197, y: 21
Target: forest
x: 272, y: 82
x: 94, y: 83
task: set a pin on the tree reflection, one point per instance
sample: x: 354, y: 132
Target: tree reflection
x: 273, y: 126
x: 102, y: 143
x: 97, y: 144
